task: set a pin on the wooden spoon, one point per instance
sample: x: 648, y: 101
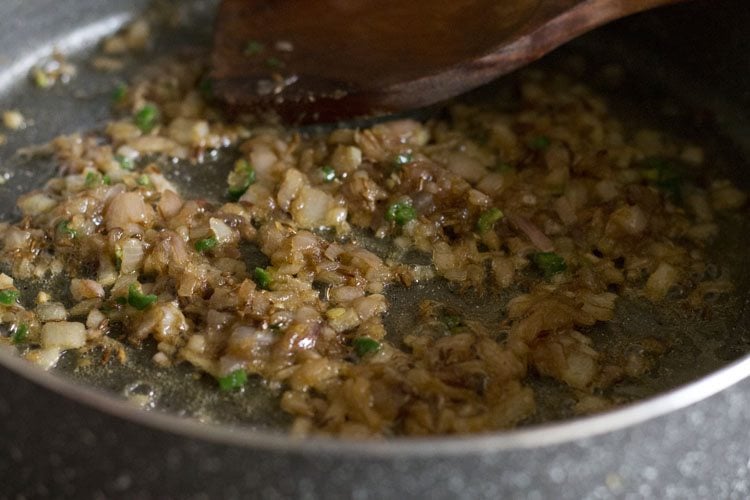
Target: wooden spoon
x: 328, y: 60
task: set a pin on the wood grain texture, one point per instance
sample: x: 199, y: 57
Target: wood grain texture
x: 360, y: 58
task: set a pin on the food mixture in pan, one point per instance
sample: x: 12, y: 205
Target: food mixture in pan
x: 542, y: 195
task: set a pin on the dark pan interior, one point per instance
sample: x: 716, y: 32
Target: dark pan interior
x: 665, y: 89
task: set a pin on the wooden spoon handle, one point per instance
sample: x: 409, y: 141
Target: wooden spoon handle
x: 324, y: 60
x: 550, y: 26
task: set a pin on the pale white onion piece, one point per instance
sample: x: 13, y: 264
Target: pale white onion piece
x: 128, y: 208
x: 724, y: 196
x: 35, y: 204
x: 95, y: 318
x: 83, y: 307
x: 161, y: 183
x: 107, y: 274
x: 346, y: 159
x: 660, y: 281
x: 492, y: 183
x: 630, y: 219
x: 263, y: 159
x: 132, y: 255
x: 161, y: 359
x: 290, y: 186
x: 503, y: 271
x: 345, y: 294
x: 51, y: 311
x: 342, y: 319
x: 5, y: 281
x: 197, y: 343
x: 369, y: 306
x: 82, y: 289
x: 229, y: 364
x: 565, y: 211
x: 250, y: 342
x: 188, y: 132
x: 169, y: 204
x: 151, y: 144
x: 222, y: 232
x: 63, y: 334
x: 478, y: 198
x: 45, y: 358
x: 466, y: 166
x: 16, y: 239
x: 607, y: 190
x: 698, y: 203
x: 258, y: 194
x: 310, y: 208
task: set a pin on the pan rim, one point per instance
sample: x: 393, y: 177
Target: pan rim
x: 538, y: 436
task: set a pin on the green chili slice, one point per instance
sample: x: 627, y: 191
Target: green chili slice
x: 233, y: 381
x: 240, y: 179
x: 549, y: 263
x: 365, y: 345
x: 328, y: 173
x: 400, y: 213
x: 206, y: 244
x: 488, y: 218
x: 539, y: 143
x: 21, y: 334
x: 138, y: 299
x: 8, y: 296
x: 146, y: 117
x: 262, y: 278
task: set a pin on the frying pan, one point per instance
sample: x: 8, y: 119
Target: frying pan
x: 69, y: 434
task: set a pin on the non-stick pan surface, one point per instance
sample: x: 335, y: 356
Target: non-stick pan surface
x: 52, y: 444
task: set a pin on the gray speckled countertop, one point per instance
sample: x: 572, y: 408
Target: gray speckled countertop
x: 53, y: 447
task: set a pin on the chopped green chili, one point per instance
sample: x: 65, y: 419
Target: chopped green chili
x: 92, y: 179
x: 402, y: 159
x: 206, y: 244
x: 329, y: 174
x: 365, y: 345
x: 8, y: 296
x: 143, y: 180
x: 400, y: 213
x: 240, y: 179
x: 206, y: 87
x: 138, y: 299
x: 549, y: 263
x: 664, y: 175
x: 488, y: 218
x: 118, y: 95
x: 253, y: 47
x: 63, y: 227
x: 125, y: 162
x: 262, y: 278
x: 21, y: 334
x: 275, y: 63
x: 452, y: 321
x: 539, y: 143
x: 235, y: 380
x: 503, y: 167
x: 146, y: 117
x: 42, y: 79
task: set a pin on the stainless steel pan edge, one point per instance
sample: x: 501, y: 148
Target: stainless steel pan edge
x: 689, y: 443
x: 525, y: 438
